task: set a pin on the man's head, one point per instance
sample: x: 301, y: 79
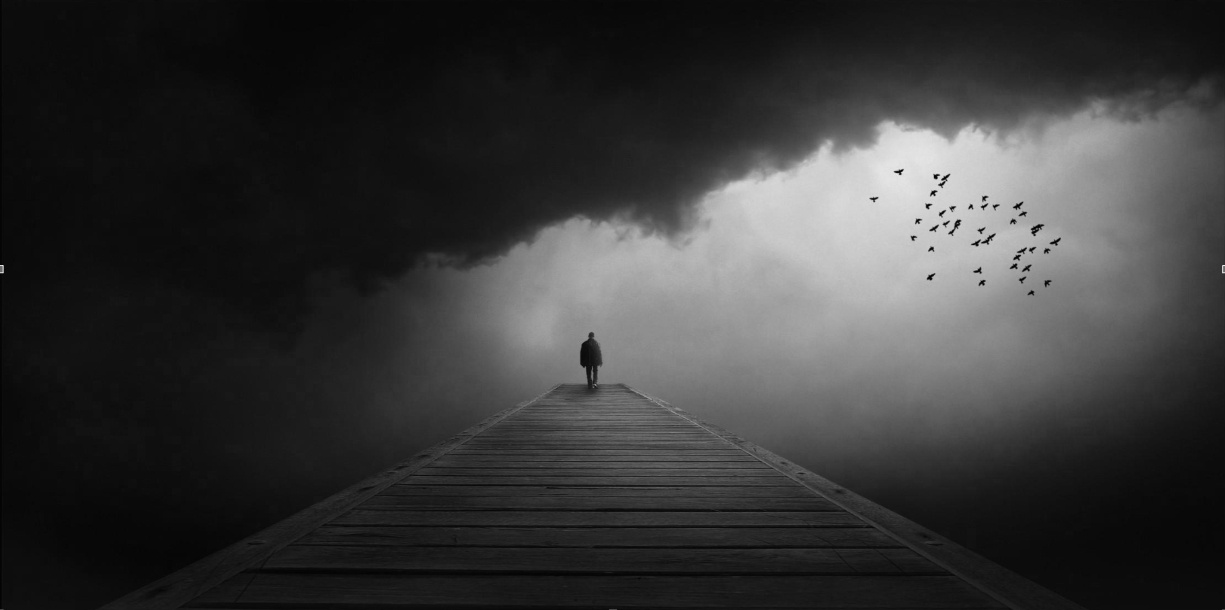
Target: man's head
x: 591, y: 335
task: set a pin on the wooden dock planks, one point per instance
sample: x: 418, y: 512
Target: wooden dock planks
x: 595, y: 499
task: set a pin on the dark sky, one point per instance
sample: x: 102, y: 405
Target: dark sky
x: 255, y: 252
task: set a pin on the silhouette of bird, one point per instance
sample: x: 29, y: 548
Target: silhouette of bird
x: 1017, y: 206
x: 918, y: 220
x: 946, y: 176
x: 942, y: 213
x: 1037, y: 227
x: 1031, y: 249
x: 954, y: 229
x: 989, y: 238
x: 929, y: 278
x: 1046, y: 250
x: 931, y: 249
x: 980, y: 231
x: 933, y: 194
x: 1017, y: 257
x: 1046, y: 283
x: 957, y: 223
x: 933, y: 229
x: 941, y: 185
x: 995, y: 205
x: 1056, y: 242
x: 898, y: 171
x: 944, y: 224
x: 1031, y: 293
x: 1023, y: 213
x: 1026, y: 269
x: 1021, y: 251
x: 982, y: 282
x: 927, y: 205
x: 1013, y: 222
x: 1014, y: 266
x: 1023, y: 278
x: 979, y: 270
x: 975, y: 243
x: 952, y: 207
x: 984, y: 206
x: 936, y: 176
x: 984, y: 197
x: 913, y: 237
x: 873, y: 198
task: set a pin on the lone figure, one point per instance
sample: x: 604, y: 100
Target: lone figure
x: 590, y: 358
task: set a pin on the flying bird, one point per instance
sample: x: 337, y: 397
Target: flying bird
x: 1031, y: 293
x: 942, y: 213
x: 929, y: 278
x: 995, y: 205
x: 1046, y: 250
x: 984, y: 197
x: 946, y: 176
x: 1046, y: 283
x: 931, y: 249
x: 982, y: 282
x: 1017, y: 206
x: 898, y: 171
x: 1014, y: 266
x: 1017, y: 257
x: 1023, y: 278
x: 984, y: 206
x: 1026, y: 269
x: 927, y: 205
x: 944, y: 224
x: 918, y: 220
x: 979, y: 270
x: 933, y: 229
x: 933, y: 194
x: 873, y: 198
x: 1031, y: 249
x: 952, y: 207
x: 941, y: 185
x: 954, y: 229
x: 913, y: 237
x: 975, y: 243
x: 1021, y: 251
x: 980, y: 231
x: 936, y: 176
x: 1013, y: 222
x: 1056, y: 242
x: 957, y: 223
x: 1023, y: 213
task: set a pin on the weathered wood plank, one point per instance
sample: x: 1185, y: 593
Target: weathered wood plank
x: 593, y: 503
x: 385, y: 558
x: 477, y: 518
x: 655, y: 491
x: 549, y: 471
x: 503, y: 464
x: 485, y: 455
x: 758, y: 537
x: 832, y: 591
x: 618, y: 481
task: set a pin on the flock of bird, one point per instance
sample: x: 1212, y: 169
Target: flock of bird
x: 1018, y: 262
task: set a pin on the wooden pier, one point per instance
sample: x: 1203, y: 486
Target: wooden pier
x: 602, y: 498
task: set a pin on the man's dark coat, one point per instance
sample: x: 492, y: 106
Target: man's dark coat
x: 590, y: 355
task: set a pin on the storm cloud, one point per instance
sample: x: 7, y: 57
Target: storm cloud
x: 238, y: 151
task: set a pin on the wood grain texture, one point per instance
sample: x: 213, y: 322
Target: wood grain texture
x: 586, y: 498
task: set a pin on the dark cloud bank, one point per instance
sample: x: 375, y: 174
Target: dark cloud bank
x: 188, y: 187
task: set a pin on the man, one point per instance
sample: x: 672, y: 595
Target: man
x: 590, y: 358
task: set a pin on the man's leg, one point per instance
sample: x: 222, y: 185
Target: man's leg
x: 595, y: 376
x: 589, y: 382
